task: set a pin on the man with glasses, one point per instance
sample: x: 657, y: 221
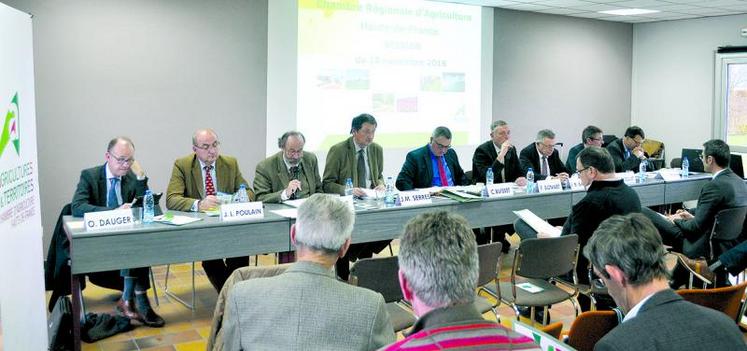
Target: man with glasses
x: 591, y: 136
x: 361, y: 160
x: 114, y: 185
x: 543, y: 158
x: 687, y: 232
x: 435, y: 164
x: 627, y: 254
x: 605, y: 196
x: 628, y: 152
x: 196, y: 181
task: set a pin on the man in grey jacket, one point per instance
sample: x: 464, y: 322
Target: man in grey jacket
x: 306, y: 308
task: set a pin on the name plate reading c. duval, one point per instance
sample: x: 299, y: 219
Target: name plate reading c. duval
x: 241, y: 211
x: 108, y: 219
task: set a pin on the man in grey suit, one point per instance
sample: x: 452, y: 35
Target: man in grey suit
x: 628, y: 255
x: 306, y: 308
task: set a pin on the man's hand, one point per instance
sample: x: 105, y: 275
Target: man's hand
x: 137, y: 169
x: 208, y: 203
x: 359, y: 192
x: 293, y: 185
x: 504, y: 150
x: 521, y: 181
x: 638, y: 152
x: 125, y: 206
x: 562, y: 176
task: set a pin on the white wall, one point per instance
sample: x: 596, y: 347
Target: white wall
x: 561, y: 73
x: 673, y: 65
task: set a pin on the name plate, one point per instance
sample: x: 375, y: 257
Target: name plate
x: 670, y: 176
x: 108, y: 219
x: 414, y: 197
x: 500, y: 190
x: 550, y: 186
x: 241, y: 211
x: 576, y: 184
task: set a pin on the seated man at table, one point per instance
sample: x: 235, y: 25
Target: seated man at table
x: 590, y: 136
x: 306, y: 307
x: 435, y: 164
x: 114, y: 185
x: 290, y: 174
x: 688, y: 232
x: 438, y: 269
x: 627, y: 254
x: 362, y: 160
x: 543, y: 158
x: 605, y: 196
x: 628, y: 152
x: 196, y: 180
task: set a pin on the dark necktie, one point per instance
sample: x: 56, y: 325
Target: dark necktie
x: 442, y: 171
x: 111, y: 198
x: 545, y: 170
x: 209, y: 186
x: 361, y: 170
x: 294, y: 172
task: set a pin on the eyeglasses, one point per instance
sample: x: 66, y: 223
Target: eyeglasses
x: 442, y: 147
x: 579, y: 171
x: 206, y: 147
x: 294, y: 152
x: 546, y: 146
x: 122, y: 160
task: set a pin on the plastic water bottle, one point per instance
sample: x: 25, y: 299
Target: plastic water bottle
x: 489, y: 176
x: 642, y: 171
x: 530, y: 180
x: 389, y: 200
x: 241, y: 195
x: 148, y: 207
x: 349, y: 187
x: 685, y: 167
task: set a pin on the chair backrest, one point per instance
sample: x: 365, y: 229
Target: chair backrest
x: 378, y: 274
x: 726, y: 299
x: 547, y: 257
x: 589, y: 327
x: 676, y: 162
x: 553, y: 329
x: 654, y: 148
x: 489, y: 256
x: 728, y: 223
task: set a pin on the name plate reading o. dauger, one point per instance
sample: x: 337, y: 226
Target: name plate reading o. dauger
x: 241, y: 211
x: 500, y: 190
x: 415, y: 197
x: 108, y: 219
x: 550, y: 186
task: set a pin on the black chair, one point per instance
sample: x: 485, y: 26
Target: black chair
x: 380, y: 274
x: 726, y: 232
x: 489, y: 257
x: 676, y: 163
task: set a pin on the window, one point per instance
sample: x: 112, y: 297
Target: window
x: 730, y: 107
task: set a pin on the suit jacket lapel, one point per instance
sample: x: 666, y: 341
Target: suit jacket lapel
x: 353, y: 155
x: 428, y: 165
x: 102, y: 195
x: 197, y: 177
x: 282, y: 171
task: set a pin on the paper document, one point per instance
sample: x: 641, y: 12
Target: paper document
x: 286, y: 212
x: 373, y: 193
x: 175, y: 219
x: 529, y: 287
x: 538, y: 224
x: 295, y: 203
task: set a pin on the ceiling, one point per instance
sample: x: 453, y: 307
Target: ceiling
x: 669, y: 9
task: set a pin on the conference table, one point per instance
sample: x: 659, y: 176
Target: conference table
x: 152, y: 244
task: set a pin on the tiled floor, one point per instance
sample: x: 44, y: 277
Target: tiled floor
x: 187, y: 330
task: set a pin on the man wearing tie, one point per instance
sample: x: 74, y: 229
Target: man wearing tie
x: 543, y: 158
x: 196, y: 180
x: 435, y: 164
x: 628, y: 152
x: 111, y: 186
x: 361, y: 160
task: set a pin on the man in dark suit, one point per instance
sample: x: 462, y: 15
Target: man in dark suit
x: 628, y: 255
x: 590, y: 136
x: 543, y: 158
x: 196, y: 181
x: 435, y: 164
x: 688, y: 232
x: 628, y: 152
x: 115, y: 185
x: 499, y: 154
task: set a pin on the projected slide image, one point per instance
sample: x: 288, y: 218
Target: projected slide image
x: 383, y: 103
x: 356, y: 79
x: 453, y: 82
x: 329, y: 79
x: 431, y: 83
x: 407, y: 104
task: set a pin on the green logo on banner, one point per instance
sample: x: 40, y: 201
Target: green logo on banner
x: 11, y: 127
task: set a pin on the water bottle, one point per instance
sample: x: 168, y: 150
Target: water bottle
x: 241, y: 195
x: 530, y: 180
x: 685, y: 167
x: 642, y: 171
x: 148, y: 207
x: 349, y: 187
x: 389, y: 200
x: 489, y: 176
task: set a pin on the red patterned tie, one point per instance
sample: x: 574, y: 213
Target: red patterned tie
x: 442, y: 172
x: 209, y: 187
